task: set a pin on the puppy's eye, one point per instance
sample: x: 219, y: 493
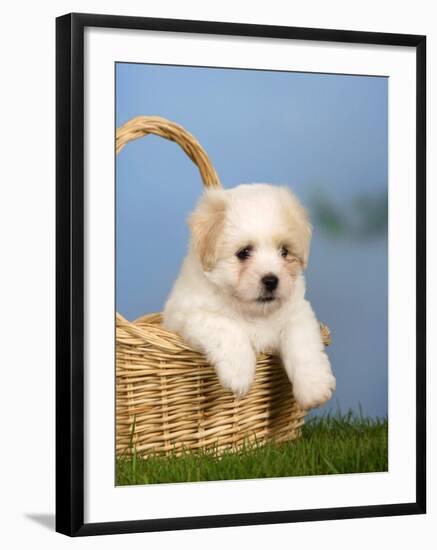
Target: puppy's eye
x: 284, y: 251
x: 244, y: 253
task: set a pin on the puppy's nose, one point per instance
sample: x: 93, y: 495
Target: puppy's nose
x: 270, y: 281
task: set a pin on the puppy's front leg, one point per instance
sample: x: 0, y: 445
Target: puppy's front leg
x: 225, y: 345
x: 305, y: 360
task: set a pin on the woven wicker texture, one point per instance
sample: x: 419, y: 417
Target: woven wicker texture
x: 168, y: 398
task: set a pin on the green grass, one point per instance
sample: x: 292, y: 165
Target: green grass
x: 332, y: 445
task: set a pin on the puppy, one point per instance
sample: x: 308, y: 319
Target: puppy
x: 241, y: 290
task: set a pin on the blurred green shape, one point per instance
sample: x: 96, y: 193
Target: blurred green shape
x: 363, y: 217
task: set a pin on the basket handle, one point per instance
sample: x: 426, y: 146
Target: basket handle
x: 144, y: 125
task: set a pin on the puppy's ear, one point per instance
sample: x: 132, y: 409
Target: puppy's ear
x: 206, y: 224
x: 307, y: 232
x: 299, y: 225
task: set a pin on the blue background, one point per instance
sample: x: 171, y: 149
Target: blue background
x: 323, y: 135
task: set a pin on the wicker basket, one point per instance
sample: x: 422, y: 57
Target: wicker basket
x: 168, y: 398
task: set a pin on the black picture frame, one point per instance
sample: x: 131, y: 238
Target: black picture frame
x: 70, y: 273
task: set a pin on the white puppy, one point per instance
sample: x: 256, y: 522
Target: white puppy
x: 241, y: 290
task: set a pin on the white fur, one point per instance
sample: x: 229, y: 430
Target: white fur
x: 214, y: 304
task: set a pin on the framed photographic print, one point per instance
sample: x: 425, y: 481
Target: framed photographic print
x: 240, y: 274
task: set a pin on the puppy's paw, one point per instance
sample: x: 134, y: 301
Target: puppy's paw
x: 313, y: 383
x: 237, y: 371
